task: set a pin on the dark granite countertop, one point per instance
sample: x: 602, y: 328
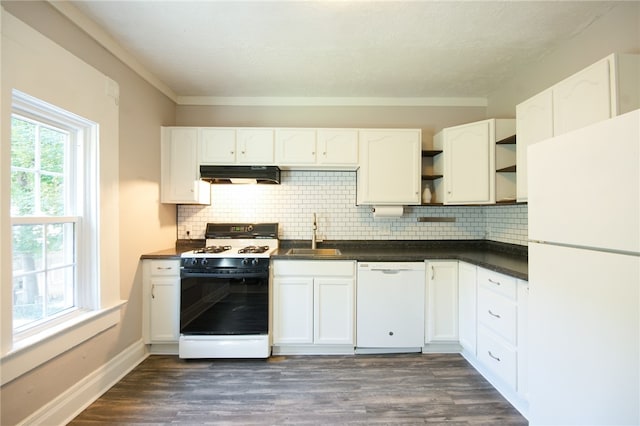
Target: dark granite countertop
x: 509, y: 259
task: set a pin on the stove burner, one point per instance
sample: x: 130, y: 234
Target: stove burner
x: 253, y: 249
x: 212, y: 249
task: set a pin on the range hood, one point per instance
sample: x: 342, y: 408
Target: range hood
x: 240, y: 174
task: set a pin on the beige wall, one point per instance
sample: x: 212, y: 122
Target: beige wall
x: 618, y: 31
x: 430, y: 119
x: 145, y: 224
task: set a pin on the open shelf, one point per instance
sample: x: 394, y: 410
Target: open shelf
x: 507, y: 141
x: 431, y: 152
x: 510, y: 169
x: 431, y: 177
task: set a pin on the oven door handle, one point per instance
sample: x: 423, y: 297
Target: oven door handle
x: 260, y: 274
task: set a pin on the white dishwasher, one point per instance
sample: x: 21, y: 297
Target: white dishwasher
x: 390, y: 307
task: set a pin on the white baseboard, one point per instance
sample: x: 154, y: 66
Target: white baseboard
x: 70, y: 403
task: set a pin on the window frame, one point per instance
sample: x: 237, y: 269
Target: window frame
x: 83, y: 156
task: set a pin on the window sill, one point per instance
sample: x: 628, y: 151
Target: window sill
x: 35, y: 350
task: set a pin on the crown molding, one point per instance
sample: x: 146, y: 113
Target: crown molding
x: 330, y: 101
x: 108, y: 42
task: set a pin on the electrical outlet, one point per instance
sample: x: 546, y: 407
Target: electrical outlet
x: 385, y: 230
x: 189, y: 230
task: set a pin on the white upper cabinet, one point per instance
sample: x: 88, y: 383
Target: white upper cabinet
x: 606, y: 89
x: 534, y: 123
x: 295, y: 146
x: 469, y: 153
x: 180, y: 177
x: 390, y: 167
x: 582, y: 99
x: 338, y: 147
x: 219, y: 145
x: 322, y: 149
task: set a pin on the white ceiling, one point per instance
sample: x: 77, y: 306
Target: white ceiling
x: 389, y: 49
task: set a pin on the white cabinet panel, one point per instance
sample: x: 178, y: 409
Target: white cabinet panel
x: 499, y: 357
x: 180, y: 183
x: 582, y: 99
x: 293, y: 310
x: 338, y: 147
x: 442, y: 302
x: 295, y: 146
x: 217, y: 146
x: 498, y: 313
x: 333, y: 311
x: 390, y: 167
x: 255, y: 146
x: 534, y: 123
x: 161, y: 301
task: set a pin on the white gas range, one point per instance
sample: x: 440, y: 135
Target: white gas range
x: 224, y: 293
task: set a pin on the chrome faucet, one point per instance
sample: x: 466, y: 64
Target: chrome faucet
x: 313, y: 233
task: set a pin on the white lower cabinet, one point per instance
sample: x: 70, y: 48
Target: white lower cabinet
x: 161, y: 304
x: 501, y: 334
x: 441, y: 302
x: 313, y: 306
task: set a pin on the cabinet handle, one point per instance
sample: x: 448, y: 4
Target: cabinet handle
x: 232, y: 152
x: 493, y: 356
x: 324, y: 153
x: 153, y: 295
x: 433, y: 272
x: 494, y: 282
x: 164, y: 268
x: 493, y: 315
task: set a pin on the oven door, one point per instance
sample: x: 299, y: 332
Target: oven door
x: 228, y: 303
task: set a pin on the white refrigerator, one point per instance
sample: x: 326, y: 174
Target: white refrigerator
x: 584, y: 276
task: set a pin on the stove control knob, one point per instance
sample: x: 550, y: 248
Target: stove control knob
x: 245, y: 261
x: 204, y: 261
x: 194, y: 261
x: 254, y: 262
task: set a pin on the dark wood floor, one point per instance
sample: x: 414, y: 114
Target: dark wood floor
x: 321, y: 390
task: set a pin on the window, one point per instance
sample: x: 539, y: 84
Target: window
x: 53, y: 214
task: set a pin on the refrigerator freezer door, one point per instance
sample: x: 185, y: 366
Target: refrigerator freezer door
x: 584, y: 324
x: 584, y: 186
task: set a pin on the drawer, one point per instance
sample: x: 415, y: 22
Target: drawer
x: 164, y: 267
x: 498, y: 313
x: 497, y: 356
x: 500, y: 283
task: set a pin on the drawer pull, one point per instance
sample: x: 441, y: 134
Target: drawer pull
x: 493, y: 356
x: 493, y: 315
x: 164, y: 268
x: 153, y: 287
x: 494, y: 282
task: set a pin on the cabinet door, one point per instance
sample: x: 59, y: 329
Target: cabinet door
x: 534, y: 123
x: 217, y: 146
x: 333, y: 311
x: 164, y: 319
x: 255, y: 146
x: 469, y: 160
x: 390, y: 167
x: 467, y: 321
x: 295, y: 146
x: 180, y: 175
x: 582, y: 99
x: 293, y: 310
x: 442, y: 302
x: 338, y: 147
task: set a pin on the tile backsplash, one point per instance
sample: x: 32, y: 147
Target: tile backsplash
x: 331, y: 195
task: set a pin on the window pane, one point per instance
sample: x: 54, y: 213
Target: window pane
x: 28, y: 248
x: 52, y: 147
x: 27, y: 299
x: 23, y: 142
x: 60, y: 294
x: 52, y: 195
x: 22, y: 193
x: 59, y: 245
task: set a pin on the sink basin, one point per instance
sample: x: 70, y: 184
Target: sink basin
x: 313, y: 252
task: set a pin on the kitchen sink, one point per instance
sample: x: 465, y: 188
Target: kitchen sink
x: 314, y: 252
